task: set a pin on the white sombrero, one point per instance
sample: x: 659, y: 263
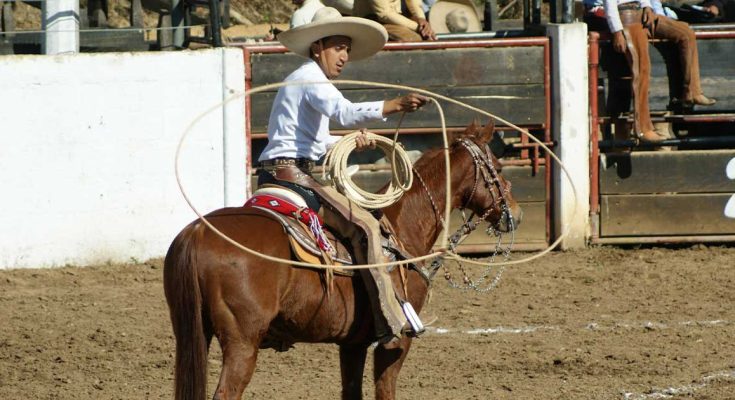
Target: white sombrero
x: 463, y: 13
x: 368, y: 37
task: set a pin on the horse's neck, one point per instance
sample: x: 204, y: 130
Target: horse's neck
x: 415, y: 220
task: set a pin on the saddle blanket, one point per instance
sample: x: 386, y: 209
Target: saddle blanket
x: 303, y: 214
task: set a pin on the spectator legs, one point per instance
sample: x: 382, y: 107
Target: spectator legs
x: 400, y: 33
x: 683, y: 36
x: 640, y: 65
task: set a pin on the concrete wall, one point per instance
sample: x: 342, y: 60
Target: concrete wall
x: 88, y: 145
x: 570, y: 128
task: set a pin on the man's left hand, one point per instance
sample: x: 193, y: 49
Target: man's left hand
x: 364, y: 142
x: 425, y: 30
x: 648, y: 19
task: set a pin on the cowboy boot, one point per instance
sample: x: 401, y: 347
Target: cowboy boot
x: 651, y: 136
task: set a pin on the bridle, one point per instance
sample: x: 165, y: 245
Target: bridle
x: 485, y: 169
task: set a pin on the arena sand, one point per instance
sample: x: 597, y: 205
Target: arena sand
x: 603, y: 323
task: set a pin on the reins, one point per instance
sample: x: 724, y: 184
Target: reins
x: 447, y: 253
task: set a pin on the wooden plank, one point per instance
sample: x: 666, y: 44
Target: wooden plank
x: 664, y: 215
x: 531, y: 229
x: 526, y: 187
x: 721, y: 88
x: 714, y: 54
x: 113, y: 40
x: 448, y: 67
x: 523, y: 105
x: 661, y: 172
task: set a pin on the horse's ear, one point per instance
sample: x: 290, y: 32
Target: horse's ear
x: 486, y: 134
x: 472, y: 128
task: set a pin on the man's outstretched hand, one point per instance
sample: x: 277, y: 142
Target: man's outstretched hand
x: 408, y: 103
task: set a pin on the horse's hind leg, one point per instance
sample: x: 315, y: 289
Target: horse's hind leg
x: 239, y: 354
x: 237, y: 369
x: 387, y: 365
x: 352, y: 366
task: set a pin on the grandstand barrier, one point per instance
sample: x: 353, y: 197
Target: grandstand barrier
x: 643, y: 196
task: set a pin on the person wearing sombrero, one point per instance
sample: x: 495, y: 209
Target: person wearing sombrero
x: 298, y: 136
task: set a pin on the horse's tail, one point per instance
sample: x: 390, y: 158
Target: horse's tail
x: 181, y: 287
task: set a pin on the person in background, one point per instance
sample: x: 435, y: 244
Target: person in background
x: 305, y: 12
x: 708, y: 11
x: 722, y: 10
x: 343, y: 6
x: 402, y: 28
x: 626, y: 20
x: 426, y: 6
x: 632, y: 23
x: 455, y: 16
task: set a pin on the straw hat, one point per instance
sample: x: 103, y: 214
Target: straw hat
x: 454, y: 16
x: 368, y: 37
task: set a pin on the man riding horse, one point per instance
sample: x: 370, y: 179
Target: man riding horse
x: 298, y: 136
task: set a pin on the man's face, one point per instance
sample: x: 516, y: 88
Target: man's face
x: 335, y: 54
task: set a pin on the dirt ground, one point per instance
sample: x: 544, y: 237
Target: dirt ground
x: 603, y: 323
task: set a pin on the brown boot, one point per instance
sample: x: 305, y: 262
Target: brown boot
x: 699, y: 100
x: 651, y: 136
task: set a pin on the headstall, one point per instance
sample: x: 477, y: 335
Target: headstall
x: 484, y: 167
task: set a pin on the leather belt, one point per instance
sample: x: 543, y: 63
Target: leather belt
x: 633, y: 5
x: 302, y: 163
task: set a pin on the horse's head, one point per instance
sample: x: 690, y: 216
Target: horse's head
x: 477, y: 175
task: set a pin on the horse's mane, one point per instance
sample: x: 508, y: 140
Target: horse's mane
x: 431, y: 163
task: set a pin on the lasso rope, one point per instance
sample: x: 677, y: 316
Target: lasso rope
x: 448, y: 254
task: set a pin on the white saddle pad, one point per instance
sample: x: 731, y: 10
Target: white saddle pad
x: 282, y: 193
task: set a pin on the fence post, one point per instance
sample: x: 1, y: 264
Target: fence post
x: 60, y: 21
x: 490, y: 15
x: 234, y: 143
x: 570, y: 129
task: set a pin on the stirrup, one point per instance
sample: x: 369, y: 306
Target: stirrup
x: 417, y: 327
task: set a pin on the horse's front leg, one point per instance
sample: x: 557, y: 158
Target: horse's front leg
x: 352, y: 366
x: 388, y: 363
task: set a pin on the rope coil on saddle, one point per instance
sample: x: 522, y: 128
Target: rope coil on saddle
x: 335, y: 164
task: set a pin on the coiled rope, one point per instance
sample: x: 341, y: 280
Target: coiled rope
x: 447, y: 254
x: 335, y: 163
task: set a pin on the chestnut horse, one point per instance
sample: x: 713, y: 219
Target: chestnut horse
x: 248, y: 303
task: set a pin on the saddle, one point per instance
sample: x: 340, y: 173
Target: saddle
x: 310, y: 241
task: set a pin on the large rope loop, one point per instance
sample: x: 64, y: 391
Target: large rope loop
x: 335, y: 163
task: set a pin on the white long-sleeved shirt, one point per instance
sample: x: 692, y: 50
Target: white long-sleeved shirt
x: 299, y: 122
x: 305, y: 13
x: 611, y: 10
